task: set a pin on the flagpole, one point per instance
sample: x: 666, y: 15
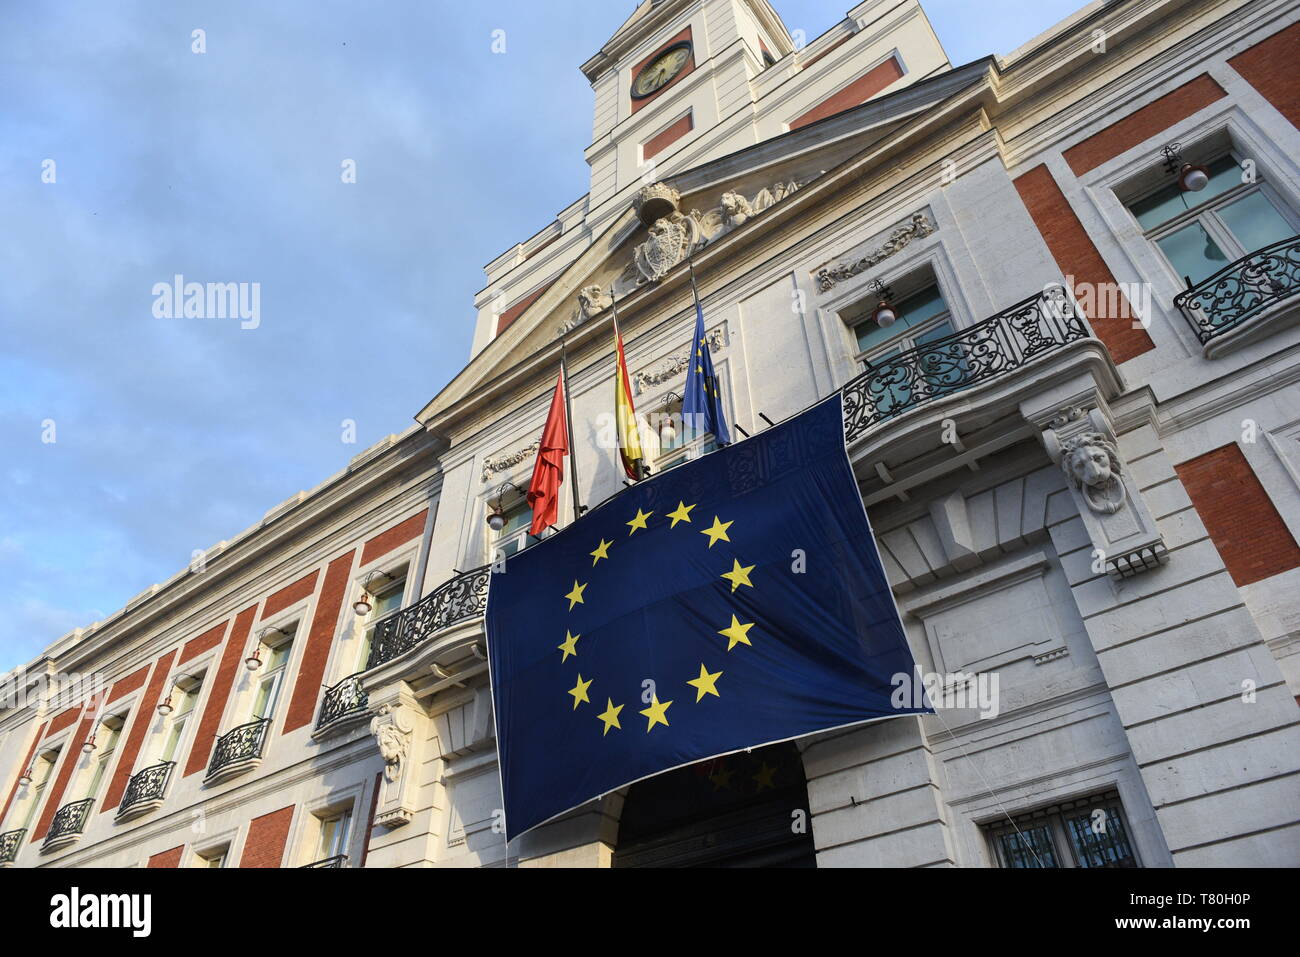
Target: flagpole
x: 568, y: 429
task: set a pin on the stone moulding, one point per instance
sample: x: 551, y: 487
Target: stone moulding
x: 492, y: 464
x: 918, y: 227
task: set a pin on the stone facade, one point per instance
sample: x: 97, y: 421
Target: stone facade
x: 1097, y: 508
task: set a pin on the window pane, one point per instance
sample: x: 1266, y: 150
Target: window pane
x: 1169, y: 202
x: 1192, y: 253
x: 1099, y: 839
x: 912, y: 311
x: 1028, y: 847
x: 387, y: 603
x: 1255, y: 221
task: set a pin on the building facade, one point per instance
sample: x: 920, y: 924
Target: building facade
x: 1078, y: 443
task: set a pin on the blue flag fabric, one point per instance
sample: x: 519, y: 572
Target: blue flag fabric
x: 702, y: 401
x: 734, y: 601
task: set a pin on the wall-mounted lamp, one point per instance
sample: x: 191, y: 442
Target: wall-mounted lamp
x: 165, y: 706
x: 361, y: 607
x: 25, y: 779
x: 89, y: 746
x: 884, y: 316
x: 497, y: 517
x: 667, y: 428
x: 1191, y: 179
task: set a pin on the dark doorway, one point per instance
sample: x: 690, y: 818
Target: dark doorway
x: 743, y: 810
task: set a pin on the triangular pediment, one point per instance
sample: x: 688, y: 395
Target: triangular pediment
x: 760, y: 179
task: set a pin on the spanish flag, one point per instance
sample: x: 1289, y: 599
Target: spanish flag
x: 629, y: 436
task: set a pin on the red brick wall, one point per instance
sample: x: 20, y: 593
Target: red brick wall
x: 68, y: 761
x: 687, y: 70
x: 1143, y: 124
x: 232, y: 659
x: 64, y: 719
x: 395, y: 537
x: 31, y: 753
x: 140, y: 721
x: 666, y: 138
x: 1076, y: 256
x: 307, y: 687
x: 288, y: 595
x: 267, y: 836
x: 1243, y: 523
x: 170, y: 858
x: 1273, y: 68
x: 517, y: 310
x: 855, y: 94
x: 124, y: 686
x: 209, y: 639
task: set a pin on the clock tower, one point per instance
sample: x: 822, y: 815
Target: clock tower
x: 674, y: 74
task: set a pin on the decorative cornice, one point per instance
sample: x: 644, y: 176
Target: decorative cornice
x: 504, y: 463
x: 674, y: 366
x: 917, y: 228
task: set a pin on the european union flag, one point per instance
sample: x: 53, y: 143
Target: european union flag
x: 734, y: 601
x: 702, y: 401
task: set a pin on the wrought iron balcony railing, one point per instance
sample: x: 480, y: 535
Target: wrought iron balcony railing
x: 10, y: 841
x: 241, y: 744
x: 69, y: 821
x: 146, y: 787
x: 1241, y: 291
x: 992, y: 347
x: 340, y: 861
x: 344, y: 699
x: 463, y: 597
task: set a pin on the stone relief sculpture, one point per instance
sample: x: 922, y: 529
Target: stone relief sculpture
x: 917, y: 227
x: 671, y: 240
x: 1092, y: 464
x: 504, y: 463
x: 674, y: 366
x: 592, y: 301
x: 393, y: 742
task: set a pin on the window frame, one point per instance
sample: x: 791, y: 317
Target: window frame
x: 1054, y: 817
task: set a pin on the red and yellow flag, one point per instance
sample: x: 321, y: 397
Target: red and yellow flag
x: 629, y: 436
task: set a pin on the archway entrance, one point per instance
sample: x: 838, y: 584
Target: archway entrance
x: 742, y: 810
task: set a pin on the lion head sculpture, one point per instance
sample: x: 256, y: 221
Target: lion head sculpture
x: 1092, y: 464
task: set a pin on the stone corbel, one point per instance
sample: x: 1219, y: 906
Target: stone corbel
x: 396, y: 726
x: 1081, y: 440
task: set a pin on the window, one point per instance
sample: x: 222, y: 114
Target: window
x: 185, y: 697
x: 1091, y: 832
x: 514, y: 536
x: 276, y: 649
x: 40, y: 778
x: 673, y: 439
x: 335, y: 830
x: 385, y: 600
x: 214, y: 857
x: 1200, y: 233
x: 106, y: 738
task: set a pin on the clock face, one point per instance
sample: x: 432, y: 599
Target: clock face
x: 661, y: 71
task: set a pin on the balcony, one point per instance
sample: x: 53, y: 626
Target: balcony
x: 330, y: 862
x: 457, y: 600
x: 1245, y: 300
x: 145, y: 791
x: 343, y: 705
x: 68, y: 824
x: 994, y: 347
x: 237, y: 751
x: 10, y: 841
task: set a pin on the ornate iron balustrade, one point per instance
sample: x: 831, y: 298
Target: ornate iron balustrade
x: 456, y: 600
x: 340, y: 861
x: 1239, y: 292
x: 69, y: 820
x: 345, y: 698
x: 992, y: 347
x: 10, y: 841
x: 241, y: 744
x: 145, y: 786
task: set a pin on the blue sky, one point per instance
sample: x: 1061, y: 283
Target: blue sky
x: 171, y: 435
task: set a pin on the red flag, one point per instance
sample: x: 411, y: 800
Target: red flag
x: 548, y: 473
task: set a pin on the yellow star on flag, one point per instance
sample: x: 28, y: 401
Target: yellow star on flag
x: 683, y: 514
x: 764, y: 777
x: 639, y: 521
x: 579, y: 692
x: 721, y: 777
x: 657, y: 713
x: 610, y: 716
x: 718, y: 531
x: 569, y: 646
x: 737, y: 633
x: 602, y: 551
x: 705, y: 684
x: 575, y: 596
x: 738, y: 576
